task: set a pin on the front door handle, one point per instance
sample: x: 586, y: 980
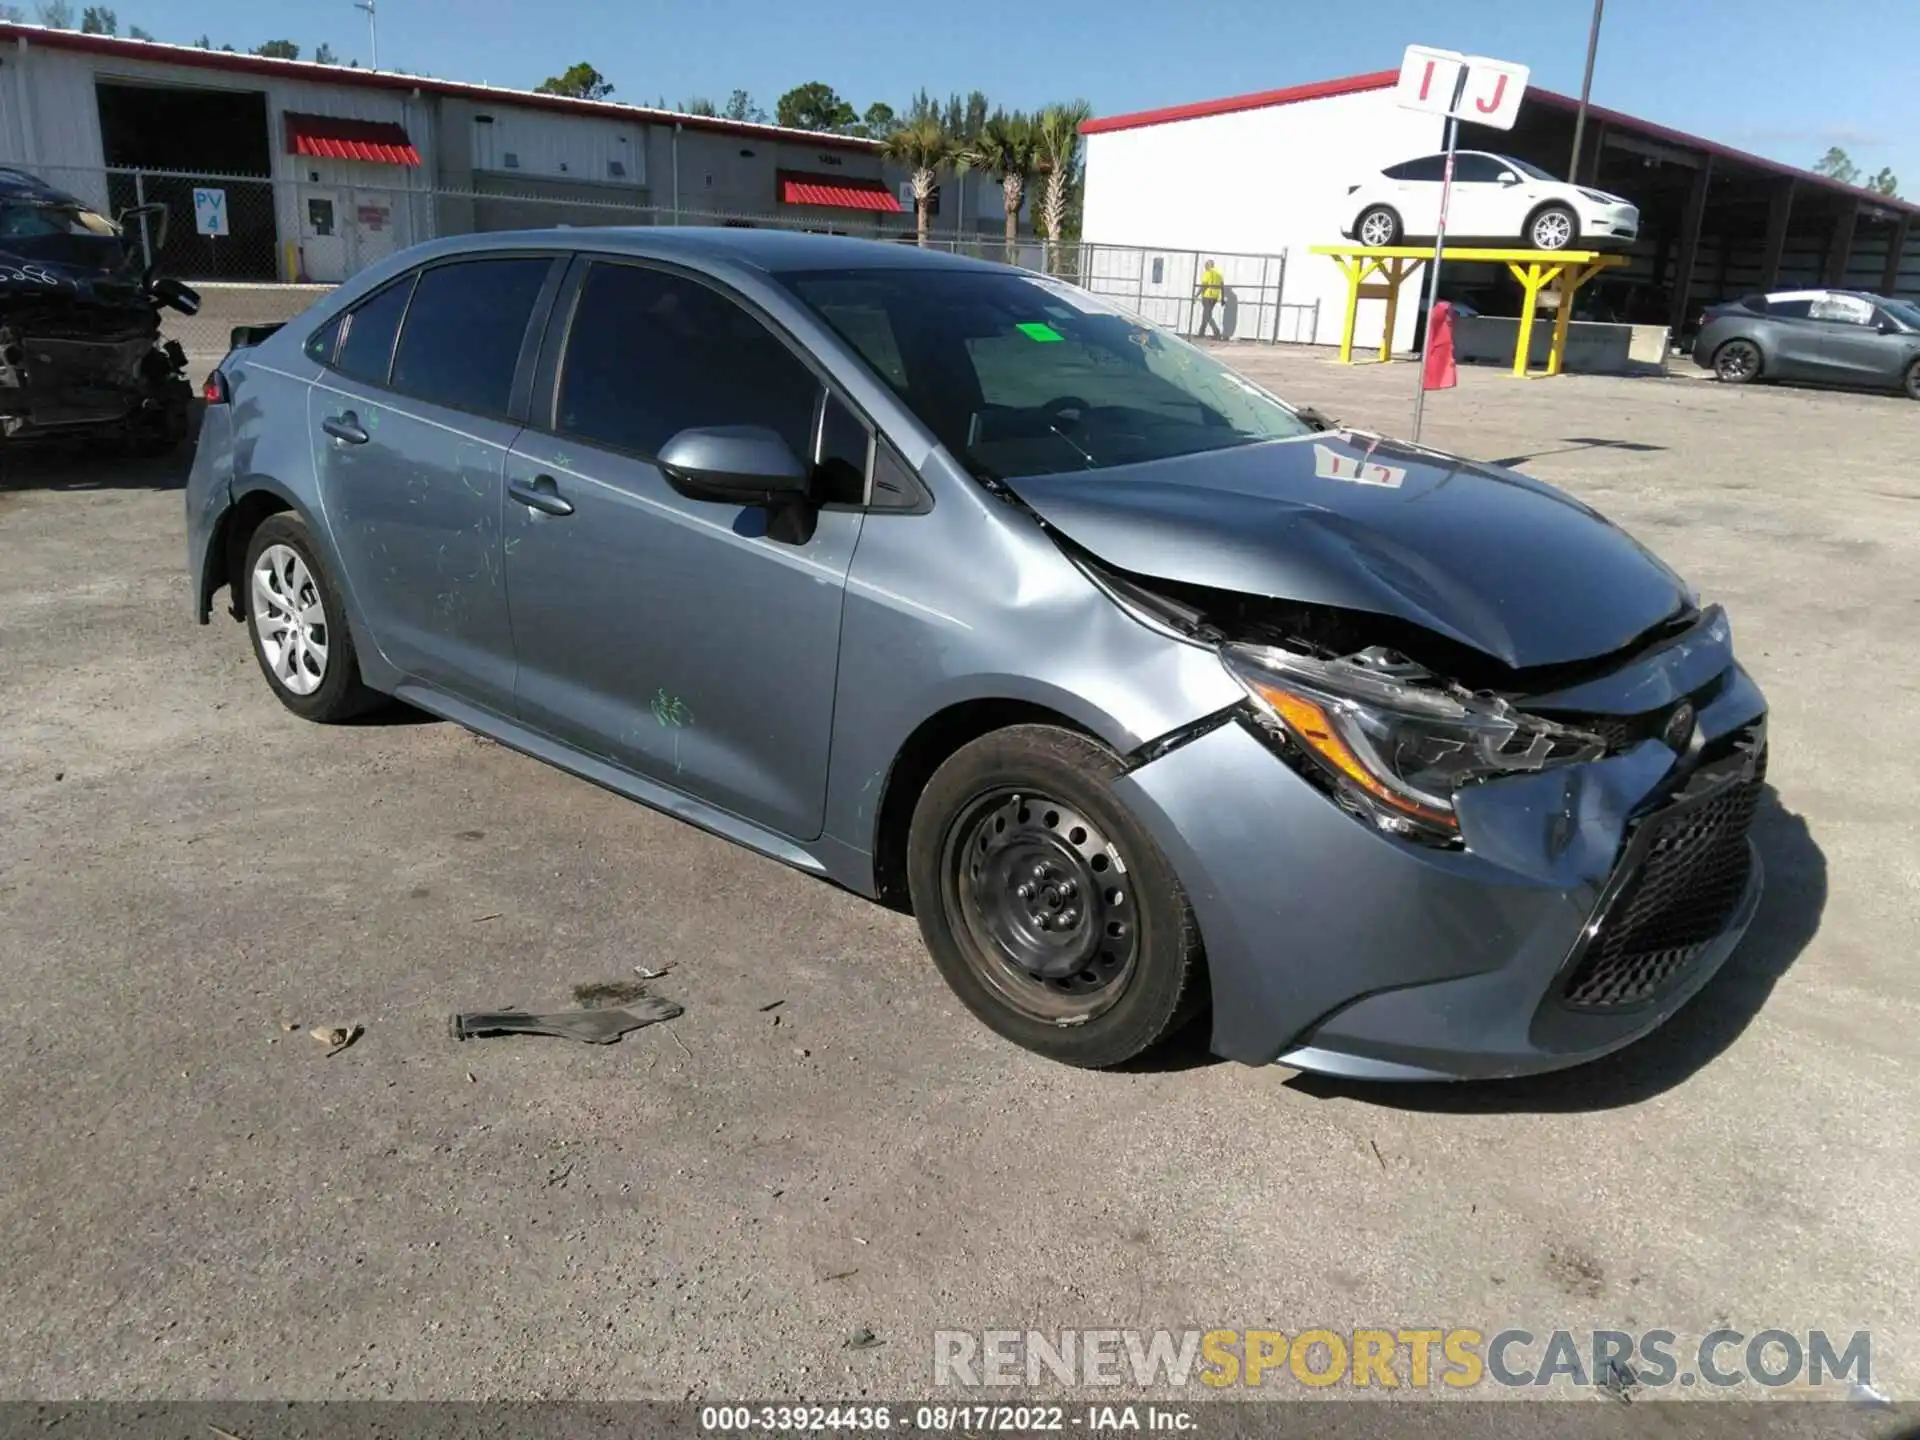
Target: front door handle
x: 542, y: 494
x: 345, y: 426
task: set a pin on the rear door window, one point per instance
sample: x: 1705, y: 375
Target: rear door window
x: 650, y: 353
x: 1427, y: 167
x: 465, y: 329
x: 366, y: 353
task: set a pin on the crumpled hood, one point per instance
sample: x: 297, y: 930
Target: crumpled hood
x: 1480, y: 554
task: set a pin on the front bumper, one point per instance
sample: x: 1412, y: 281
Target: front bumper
x: 1337, y: 949
x: 1618, y: 223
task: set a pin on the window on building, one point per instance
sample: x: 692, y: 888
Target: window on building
x: 651, y: 354
x: 366, y: 353
x: 464, y: 330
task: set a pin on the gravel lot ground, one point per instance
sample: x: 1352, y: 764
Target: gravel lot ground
x: 199, y: 1204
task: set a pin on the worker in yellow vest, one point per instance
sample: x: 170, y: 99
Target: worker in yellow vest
x: 1213, y: 285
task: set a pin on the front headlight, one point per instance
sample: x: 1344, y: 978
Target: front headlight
x: 1393, y: 743
x: 1601, y: 197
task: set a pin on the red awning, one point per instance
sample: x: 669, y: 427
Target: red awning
x: 380, y: 142
x: 841, y: 192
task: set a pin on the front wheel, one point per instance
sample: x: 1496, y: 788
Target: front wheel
x: 1554, y: 228
x: 1913, y: 381
x: 1737, y: 362
x: 1046, y: 906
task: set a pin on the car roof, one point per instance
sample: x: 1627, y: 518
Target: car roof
x: 769, y: 250
x: 1773, y: 295
x: 16, y: 184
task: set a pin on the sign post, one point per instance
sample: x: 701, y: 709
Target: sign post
x: 210, y: 217
x: 1445, y: 82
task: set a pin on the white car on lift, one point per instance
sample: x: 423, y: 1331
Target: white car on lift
x: 1495, y: 197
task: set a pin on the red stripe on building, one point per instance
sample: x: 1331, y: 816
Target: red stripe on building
x: 378, y: 142
x: 838, y: 192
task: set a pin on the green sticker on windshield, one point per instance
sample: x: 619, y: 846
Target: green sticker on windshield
x: 1045, y: 334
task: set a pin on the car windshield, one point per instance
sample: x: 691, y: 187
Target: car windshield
x: 1020, y: 374
x: 32, y: 220
x: 1905, y: 311
x: 1524, y: 168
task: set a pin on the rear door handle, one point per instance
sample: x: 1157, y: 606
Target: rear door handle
x: 345, y: 426
x: 540, y: 493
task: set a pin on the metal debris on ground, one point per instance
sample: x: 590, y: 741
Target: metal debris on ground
x: 594, y: 1027
x: 771, y: 1005
x: 864, y: 1339
x: 645, y: 974
x: 337, y: 1036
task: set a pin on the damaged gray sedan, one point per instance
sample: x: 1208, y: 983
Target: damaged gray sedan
x: 1149, y: 695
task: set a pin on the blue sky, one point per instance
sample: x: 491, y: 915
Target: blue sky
x: 1751, y: 73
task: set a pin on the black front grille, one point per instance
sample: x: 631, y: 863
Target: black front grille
x: 1692, y: 868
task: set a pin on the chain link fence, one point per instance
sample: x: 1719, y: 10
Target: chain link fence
x: 261, y: 250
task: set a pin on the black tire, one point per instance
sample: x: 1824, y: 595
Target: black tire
x: 1553, y: 227
x: 1041, y: 797
x: 1386, y: 218
x: 1913, y: 381
x: 340, y: 694
x: 1737, y: 361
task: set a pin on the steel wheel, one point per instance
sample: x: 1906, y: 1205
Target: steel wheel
x: 1046, y: 903
x: 1737, y: 361
x: 290, y: 620
x: 1552, y: 230
x: 1379, y: 227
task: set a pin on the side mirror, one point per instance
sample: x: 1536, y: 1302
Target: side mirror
x: 1887, y: 327
x: 735, y: 465
x: 170, y: 292
x: 1507, y: 177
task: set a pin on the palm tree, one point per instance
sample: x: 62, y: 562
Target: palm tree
x: 1009, y: 150
x: 923, y: 146
x: 1059, y: 137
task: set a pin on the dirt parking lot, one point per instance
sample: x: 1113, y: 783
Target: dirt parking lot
x: 198, y: 1203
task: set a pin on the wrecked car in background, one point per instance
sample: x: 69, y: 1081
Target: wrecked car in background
x: 1148, y: 694
x: 80, y: 349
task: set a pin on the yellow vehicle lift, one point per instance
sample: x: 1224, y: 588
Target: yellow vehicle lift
x: 1565, y: 270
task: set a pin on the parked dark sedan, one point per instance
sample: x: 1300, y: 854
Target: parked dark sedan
x: 1841, y: 337
x: 1146, y: 692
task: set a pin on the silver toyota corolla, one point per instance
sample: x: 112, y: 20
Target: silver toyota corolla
x: 1147, y: 693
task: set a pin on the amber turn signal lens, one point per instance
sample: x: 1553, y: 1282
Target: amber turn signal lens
x: 1309, y: 724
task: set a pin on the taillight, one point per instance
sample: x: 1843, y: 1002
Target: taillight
x: 214, y: 392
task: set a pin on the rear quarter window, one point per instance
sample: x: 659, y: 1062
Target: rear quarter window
x: 461, y: 342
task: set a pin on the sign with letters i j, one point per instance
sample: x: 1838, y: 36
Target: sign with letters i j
x: 1472, y: 88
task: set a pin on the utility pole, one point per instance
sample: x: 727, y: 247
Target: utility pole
x: 1586, y: 88
x: 373, y: 35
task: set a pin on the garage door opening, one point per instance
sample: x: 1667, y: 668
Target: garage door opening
x: 164, y: 142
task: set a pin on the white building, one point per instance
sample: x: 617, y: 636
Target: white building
x: 1266, y: 173
x: 323, y: 169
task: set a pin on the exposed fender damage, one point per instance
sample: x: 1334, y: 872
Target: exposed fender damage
x: 80, y: 348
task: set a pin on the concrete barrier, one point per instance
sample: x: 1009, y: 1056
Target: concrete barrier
x: 1593, y: 347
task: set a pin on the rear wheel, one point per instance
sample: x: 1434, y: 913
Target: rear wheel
x: 1738, y: 361
x: 1554, y: 228
x: 1379, y: 225
x: 298, y: 625
x: 1045, y: 904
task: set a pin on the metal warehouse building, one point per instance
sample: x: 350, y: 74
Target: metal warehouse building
x: 325, y: 169
x: 1269, y: 173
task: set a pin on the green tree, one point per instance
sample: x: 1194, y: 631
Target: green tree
x: 1836, y: 164
x: 926, y: 148
x: 57, y: 15
x: 878, y: 122
x: 205, y: 42
x: 581, y: 81
x: 699, y: 105
x: 1008, y: 149
x: 278, y: 50
x: 1886, y: 182
x: 323, y: 55
x: 134, y: 32
x: 13, y: 15
x: 814, y: 106
x: 1060, y: 156
x: 98, y: 20
x: 740, y: 106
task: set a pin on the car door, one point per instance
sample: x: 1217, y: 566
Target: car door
x: 1790, y: 338
x: 677, y: 638
x: 410, y: 423
x: 1414, y: 191
x: 1850, y: 345
x: 1477, y: 208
